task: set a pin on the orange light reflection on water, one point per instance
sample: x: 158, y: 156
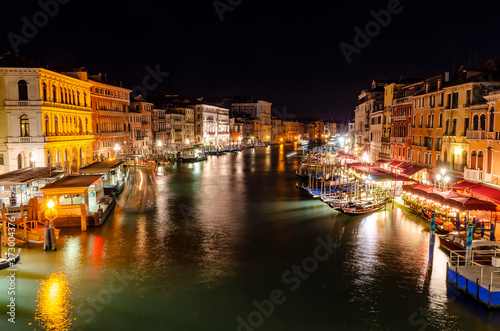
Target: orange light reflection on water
x: 53, y: 303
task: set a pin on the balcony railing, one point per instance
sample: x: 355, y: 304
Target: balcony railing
x: 69, y: 137
x: 399, y: 118
x: 473, y: 174
x: 23, y: 103
x: 386, y: 139
x: 450, y: 166
x: 476, y: 134
x: 399, y: 140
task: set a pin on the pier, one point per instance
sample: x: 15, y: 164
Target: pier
x: 478, y: 279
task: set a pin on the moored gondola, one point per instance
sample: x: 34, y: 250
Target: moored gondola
x: 7, y: 263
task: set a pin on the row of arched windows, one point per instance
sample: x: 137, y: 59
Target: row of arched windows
x: 479, y: 121
x: 65, y: 125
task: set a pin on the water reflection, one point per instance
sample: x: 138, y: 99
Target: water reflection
x: 53, y: 303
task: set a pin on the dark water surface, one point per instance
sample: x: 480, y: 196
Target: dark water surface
x: 228, y: 236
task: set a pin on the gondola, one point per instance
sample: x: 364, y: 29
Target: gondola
x: 301, y: 187
x: 7, y: 263
x: 366, y: 209
x: 438, y: 224
x: 304, y: 176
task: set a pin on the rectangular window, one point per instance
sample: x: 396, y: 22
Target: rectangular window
x: 468, y: 98
x: 448, y: 101
x: 455, y: 101
x: 1, y: 159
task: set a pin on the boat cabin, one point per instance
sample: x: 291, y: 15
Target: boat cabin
x: 112, y: 172
x: 70, y: 192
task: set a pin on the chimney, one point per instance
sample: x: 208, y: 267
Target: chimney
x: 121, y: 84
x: 447, y: 76
x: 427, y: 85
x: 440, y: 83
x: 105, y: 78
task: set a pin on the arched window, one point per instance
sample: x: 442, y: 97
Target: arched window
x: 19, y: 161
x: 25, y: 126
x: 441, y: 120
x: 85, y: 99
x: 78, y: 98
x: 473, y: 160
x: 429, y: 120
x: 54, y: 93
x: 432, y: 121
x: 56, y: 126
x: 22, y: 87
x: 475, y: 123
x: 47, y: 128
x: 492, y: 119
x: 44, y: 92
x: 480, y: 160
x: 482, y: 121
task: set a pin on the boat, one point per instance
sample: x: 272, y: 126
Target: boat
x: 456, y: 241
x: 362, y: 209
x: 438, y: 222
x: 7, y: 263
x: 302, y: 187
x: 304, y: 176
x: 193, y: 155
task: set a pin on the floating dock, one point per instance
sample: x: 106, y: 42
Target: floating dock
x: 482, y: 282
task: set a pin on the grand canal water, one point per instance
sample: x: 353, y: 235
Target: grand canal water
x: 226, y: 237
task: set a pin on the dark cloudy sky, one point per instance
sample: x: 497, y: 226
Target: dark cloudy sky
x: 286, y: 52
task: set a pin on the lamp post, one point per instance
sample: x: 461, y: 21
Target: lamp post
x: 49, y: 242
x: 441, y: 178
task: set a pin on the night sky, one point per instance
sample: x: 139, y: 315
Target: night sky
x: 285, y: 52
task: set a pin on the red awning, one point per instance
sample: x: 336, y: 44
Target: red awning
x: 453, y: 199
x: 412, y: 170
x: 382, y: 161
x: 395, y: 163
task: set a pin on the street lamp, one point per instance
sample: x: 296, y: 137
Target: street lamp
x: 441, y: 178
x: 51, y: 212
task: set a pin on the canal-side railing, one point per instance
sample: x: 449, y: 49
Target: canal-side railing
x: 482, y: 259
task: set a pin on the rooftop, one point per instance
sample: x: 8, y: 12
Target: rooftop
x: 73, y: 181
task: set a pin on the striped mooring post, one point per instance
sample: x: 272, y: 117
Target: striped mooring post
x: 468, y: 249
x: 432, y: 240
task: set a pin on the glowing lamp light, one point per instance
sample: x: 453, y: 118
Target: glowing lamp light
x: 438, y: 177
x: 446, y: 179
x: 50, y: 204
x: 458, y: 150
x: 443, y: 171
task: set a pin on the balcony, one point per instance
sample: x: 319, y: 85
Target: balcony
x: 450, y: 166
x: 399, y: 118
x: 398, y: 140
x: 401, y: 100
x: 19, y: 140
x: 477, y: 134
x: 473, y: 174
x: 386, y: 139
x: 69, y: 138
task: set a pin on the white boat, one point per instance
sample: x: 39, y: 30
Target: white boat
x: 193, y: 155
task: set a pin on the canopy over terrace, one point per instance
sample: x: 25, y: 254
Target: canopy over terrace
x: 27, y: 175
x: 453, y: 199
x: 478, y: 190
x: 377, y: 174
